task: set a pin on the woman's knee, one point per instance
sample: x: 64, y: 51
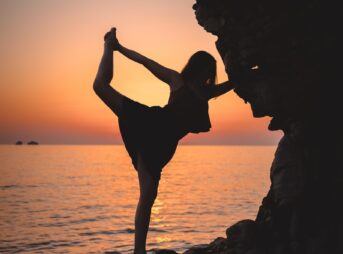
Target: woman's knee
x: 148, y: 195
x: 147, y: 201
x: 148, y: 184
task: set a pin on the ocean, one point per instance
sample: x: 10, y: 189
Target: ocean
x: 82, y: 198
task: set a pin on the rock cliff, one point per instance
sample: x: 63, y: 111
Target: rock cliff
x: 285, y: 57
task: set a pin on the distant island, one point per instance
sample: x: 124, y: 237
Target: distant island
x: 32, y: 143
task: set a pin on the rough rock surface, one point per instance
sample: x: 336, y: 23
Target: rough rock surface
x: 285, y: 58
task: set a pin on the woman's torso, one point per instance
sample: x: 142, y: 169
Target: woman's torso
x: 188, y: 112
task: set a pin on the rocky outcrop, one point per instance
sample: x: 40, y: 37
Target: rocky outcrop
x: 284, y: 57
x: 32, y: 143
x: 219, y: 245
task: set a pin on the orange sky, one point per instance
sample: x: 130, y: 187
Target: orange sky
x: 50, y: 51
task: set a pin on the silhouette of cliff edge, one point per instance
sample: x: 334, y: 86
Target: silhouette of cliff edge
x: 285, y: 57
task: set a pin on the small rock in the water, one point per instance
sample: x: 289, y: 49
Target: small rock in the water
x: 32, y: 143
x: 19, y: 142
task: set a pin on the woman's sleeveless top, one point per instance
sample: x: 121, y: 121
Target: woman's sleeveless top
x: 188, y: 112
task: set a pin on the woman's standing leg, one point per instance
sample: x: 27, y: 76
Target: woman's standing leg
x: 148, y: 193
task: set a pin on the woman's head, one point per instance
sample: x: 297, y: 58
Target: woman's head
x: 200, y: 69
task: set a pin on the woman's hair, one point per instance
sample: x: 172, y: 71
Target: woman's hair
x: 200, y: 68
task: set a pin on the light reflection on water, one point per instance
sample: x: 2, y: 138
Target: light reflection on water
x: 82, y: 199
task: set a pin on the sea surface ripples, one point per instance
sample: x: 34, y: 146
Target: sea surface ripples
x: 82, y: 199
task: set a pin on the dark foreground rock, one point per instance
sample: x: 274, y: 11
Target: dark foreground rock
x: 285, y: 58
x: 219, y: 245
x: 163, y: 251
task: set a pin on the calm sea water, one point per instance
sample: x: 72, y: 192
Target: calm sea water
x: 82, y: 199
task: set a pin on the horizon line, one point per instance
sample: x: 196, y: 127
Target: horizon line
x: 104, y: 144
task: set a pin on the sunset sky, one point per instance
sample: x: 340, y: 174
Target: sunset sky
x: 50, y: 51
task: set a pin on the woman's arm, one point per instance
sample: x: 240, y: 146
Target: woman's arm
x: 221, y: 89
x: 169, y: 76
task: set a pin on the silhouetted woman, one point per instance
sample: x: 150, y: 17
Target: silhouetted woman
x: 151, y: 134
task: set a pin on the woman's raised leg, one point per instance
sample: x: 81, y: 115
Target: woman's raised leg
x: 148, y: 193
x: 112, y: 98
